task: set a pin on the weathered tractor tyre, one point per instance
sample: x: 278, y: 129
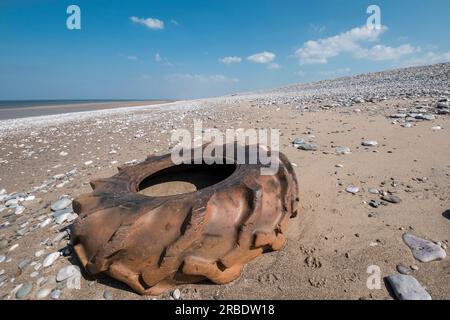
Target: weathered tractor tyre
x: 152, y: 243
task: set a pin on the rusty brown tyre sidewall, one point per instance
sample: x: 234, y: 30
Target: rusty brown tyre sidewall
x: 151, y: 243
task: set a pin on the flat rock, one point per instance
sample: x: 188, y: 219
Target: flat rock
x: 403, y: 270
x: 298, y: 141
x: 352, y: 189
x: 67, y: 272
x: 43, y: 293
x: 55, y: 294
x: 24, y: 290
x: 343, y: 150
x: 424, y: 250
x: 369, y: 143
x: 307, y: 146
x: 61, y: 204
x: 406, y: 287
x: 391, y: 199
x: 50, y: 259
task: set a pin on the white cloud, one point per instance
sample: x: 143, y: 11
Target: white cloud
x: 151, y: 23
x: 132, y: 58
x: 336, y: 72
x: 262, y: 58
x: 174, y: 22
x: 230, y: 60
x: 381, y: 52
x: 318, y: 52
x: 163, y: 60
x: 218, y: 78
x: 273, y: 66
x: 427, y: 58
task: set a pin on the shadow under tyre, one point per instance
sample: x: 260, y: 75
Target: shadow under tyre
x: 152, y: 242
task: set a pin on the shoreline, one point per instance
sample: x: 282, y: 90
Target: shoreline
x: 12, y: 113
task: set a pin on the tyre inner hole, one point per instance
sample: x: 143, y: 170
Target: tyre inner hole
x: 184, y: 178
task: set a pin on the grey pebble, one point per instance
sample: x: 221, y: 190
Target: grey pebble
x: 24, y: 290
x: 423, y: 250
x: 61, y: 204
x: 391, y: 199
x: 43, y: 293
x: 342, y: 150
x: 67, y: 272
x: 307, y: 146
x: 176, y: 294
x: 55, y: 294
x: 107, y: 295
x: 403, y: 270
x: 406, y: 287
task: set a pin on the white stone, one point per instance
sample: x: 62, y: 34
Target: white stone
x: 67, y: 272
x: 50, y: 259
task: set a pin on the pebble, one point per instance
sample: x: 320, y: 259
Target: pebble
x: 3, y: 244
x: 63, y: 217
x: 13, y: 247
x: 39, y: 253
x: 19, y: 210
x: 23, y: 264
x: 369, y: 143
x: 406, y: 287
x: 343, y: 150
x: 67, y: 272
x: 50, y: 259
x: 2, y: 258
x: 373, y: 191
x: 45, y: 223
x: 107, y: 295
x: 61, y: 204
x: 87, y: 163
x: 352, y: 189
x: 3, y: 277
x: 427, y: 117
x: 403, y: 270
x: 63, y: 153
x: 436, y: 128
x: 414, y: 267
x: 43, y: 293
x: 374, y: 203
x: 307, y: 146
x: 391, y: 199
x: 24, y: 290
x: 423, y: 250
x: 40, y: 281
x: 298, y: 141
x: 176, y: 294
x: 55, y: 294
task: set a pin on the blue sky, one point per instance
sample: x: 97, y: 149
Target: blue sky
x: 188, y: 49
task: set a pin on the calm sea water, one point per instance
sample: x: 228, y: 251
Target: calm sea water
x: 5, y: 104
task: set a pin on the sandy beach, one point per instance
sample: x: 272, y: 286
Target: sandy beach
x: 337, y: 235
